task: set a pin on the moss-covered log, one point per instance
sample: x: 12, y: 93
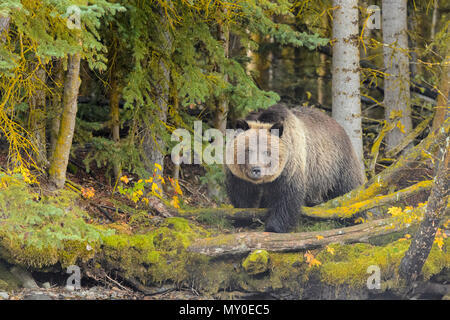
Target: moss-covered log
x: 245, y: 242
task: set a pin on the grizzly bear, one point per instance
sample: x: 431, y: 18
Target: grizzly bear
x: 307, y: 159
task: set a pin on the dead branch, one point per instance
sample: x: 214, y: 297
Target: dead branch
x: 245, y: 242
x: 409, y: 138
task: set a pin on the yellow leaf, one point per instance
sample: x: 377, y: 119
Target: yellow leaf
x: 176, y: 187
x: 158, y: 166
x: 154, y: 187
x: 175, y: 202
x: 401, y: 126
x: 88, y: 193
x: 125, y: 179
x: 395, y: 114
x: 311, y: 260
x: 308, y: 95
x: 330, y: 250
x: 359, y: 220
x: 395, y: 211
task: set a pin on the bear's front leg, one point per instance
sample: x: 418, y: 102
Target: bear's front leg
x: 284, y: 208
x: 243, y: 194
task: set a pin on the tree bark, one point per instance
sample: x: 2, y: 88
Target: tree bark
x: 345, y: 83
x: 396, y: 61
x: 56, y: 106
x: 444, y: 94
x: 58, y: 166
x: 434, y: 19
x: 114, y: 98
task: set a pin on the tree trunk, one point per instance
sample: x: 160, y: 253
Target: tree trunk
x: 444, y: 92
x: 114, y: 97
x: 220, y: 121
x: 4, y: 26
x: 56, y: 106
x: 37, y: 117
x: 434, y: 19
x: 396, y: 61
x: 58, y: 166
x: 345, y: 70
x: 411, y: 265
x: 321, y: 73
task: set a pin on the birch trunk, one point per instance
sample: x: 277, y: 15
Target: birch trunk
x: 345, y: 72
x: 434, y: 19
x: 58, y: 166
x: 396, y: 61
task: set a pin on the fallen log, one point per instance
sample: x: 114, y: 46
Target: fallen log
x: 245, y: 242
x: 248, y: 215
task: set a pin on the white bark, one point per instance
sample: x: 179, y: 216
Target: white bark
x: 396, y: 61
x: 434, y: 19
x: 345, y: 72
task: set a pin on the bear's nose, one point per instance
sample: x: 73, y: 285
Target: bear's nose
x: 256, y: 172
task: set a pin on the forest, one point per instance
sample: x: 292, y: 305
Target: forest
x: 96, y: 204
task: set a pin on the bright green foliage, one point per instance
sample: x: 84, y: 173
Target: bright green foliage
x: 39, y: 32
x: 38, y: 230
x: 194, y: 57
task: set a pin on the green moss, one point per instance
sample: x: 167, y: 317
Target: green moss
x: 348, y: 265
x: 155, y: 256
x: 256, y: 262
x: 37, y: 232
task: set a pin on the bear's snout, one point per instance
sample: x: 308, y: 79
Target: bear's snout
x: 255, y: 173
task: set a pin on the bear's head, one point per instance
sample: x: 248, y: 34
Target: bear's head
x: 257, y: 153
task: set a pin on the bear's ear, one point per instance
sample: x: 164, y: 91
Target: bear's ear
x: 277, y: 126
x: 242, y: 124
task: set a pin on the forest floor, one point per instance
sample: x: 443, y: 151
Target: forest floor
x: 106, y: 208
x: 52, y: 286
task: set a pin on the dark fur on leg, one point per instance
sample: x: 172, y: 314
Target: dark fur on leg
x: 285, y: 209
x: 243, y: 194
